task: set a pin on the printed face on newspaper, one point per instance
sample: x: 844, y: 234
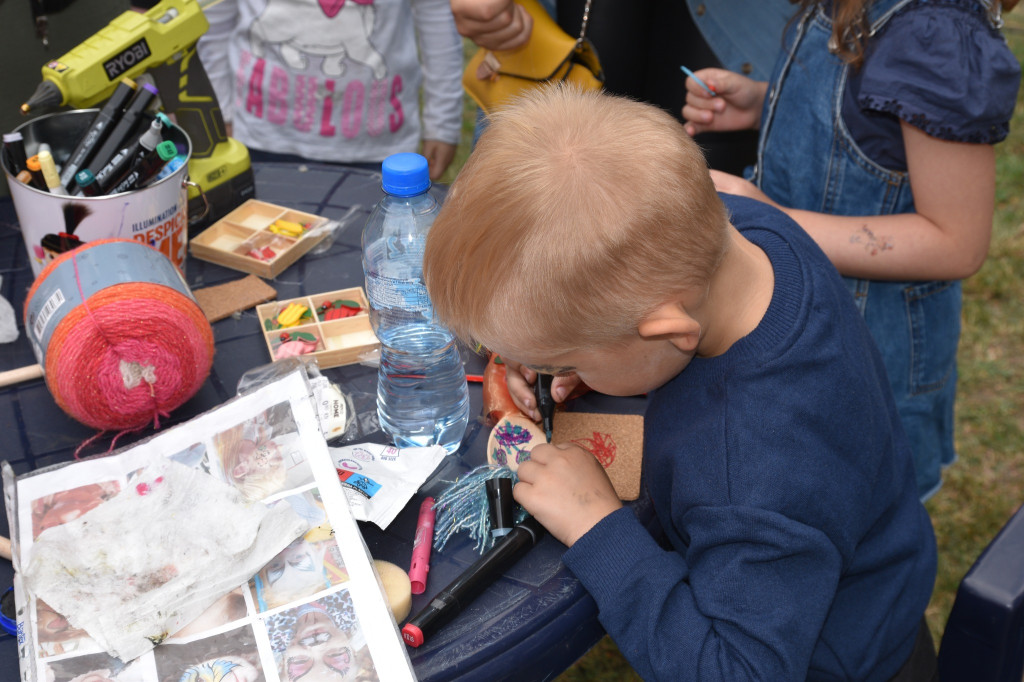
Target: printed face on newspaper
x: 313, y: 612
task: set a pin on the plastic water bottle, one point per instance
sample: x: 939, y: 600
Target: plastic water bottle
x: 422, y: 397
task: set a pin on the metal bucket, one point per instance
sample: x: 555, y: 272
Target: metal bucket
x: 156, y: 214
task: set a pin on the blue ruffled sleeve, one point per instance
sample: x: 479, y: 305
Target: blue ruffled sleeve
x: 943, y: 69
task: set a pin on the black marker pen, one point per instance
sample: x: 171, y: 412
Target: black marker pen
x: 98, y: 130
x: 452, y: 599
x: 121, y: 164
x: 501, y: 506
x: 545, y: 403
x: 123, y: 135
x: 14, y: 150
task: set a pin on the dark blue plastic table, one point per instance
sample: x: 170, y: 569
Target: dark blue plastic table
x: 530, y: 625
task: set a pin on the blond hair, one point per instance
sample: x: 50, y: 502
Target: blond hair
x: 577, y: 214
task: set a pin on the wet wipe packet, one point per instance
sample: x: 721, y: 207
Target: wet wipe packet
x: 379, y: 480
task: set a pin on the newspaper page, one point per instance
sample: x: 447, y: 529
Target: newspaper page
x: 315, y: 612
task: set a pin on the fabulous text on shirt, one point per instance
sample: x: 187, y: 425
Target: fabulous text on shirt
x: 307, y: 103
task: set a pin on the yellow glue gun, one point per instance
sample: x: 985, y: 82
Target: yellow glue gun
x: 161, y: 41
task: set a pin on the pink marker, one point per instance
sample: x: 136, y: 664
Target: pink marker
x: 421, y: 547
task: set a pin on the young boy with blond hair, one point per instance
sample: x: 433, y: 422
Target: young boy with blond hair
x: 584, y: 238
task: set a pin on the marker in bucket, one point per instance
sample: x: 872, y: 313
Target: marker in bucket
x: 121, y: 165
x: 123, y: 133
x: 146, y: 166
x: 14, y: 150
x: 98, y: 130
x: 33, y: 166
x: 86, y: 182
x: 48, y: 167
x: 169, y: 167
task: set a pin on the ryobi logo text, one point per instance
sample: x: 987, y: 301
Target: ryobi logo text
x: 126, y: 59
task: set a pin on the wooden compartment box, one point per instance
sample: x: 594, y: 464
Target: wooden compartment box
x: 251, y: 239
x: 335, y: 338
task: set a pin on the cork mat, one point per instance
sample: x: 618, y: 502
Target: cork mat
x: 220, y: 301
x: 615, y: 439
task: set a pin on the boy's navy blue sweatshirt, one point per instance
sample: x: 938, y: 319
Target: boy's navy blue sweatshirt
x: 784, y: 483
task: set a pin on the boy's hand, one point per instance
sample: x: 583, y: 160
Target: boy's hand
x: 520, y: 380
x: 566, y: 489
x: 736, y: 107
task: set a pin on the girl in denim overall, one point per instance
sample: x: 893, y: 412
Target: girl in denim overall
x: 876, y: 137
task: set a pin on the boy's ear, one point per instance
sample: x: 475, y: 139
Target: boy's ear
x: 672, y: 322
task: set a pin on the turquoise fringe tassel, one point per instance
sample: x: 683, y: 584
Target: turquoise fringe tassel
x: 463, y: 507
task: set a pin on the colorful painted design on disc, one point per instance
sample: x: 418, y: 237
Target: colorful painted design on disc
x: 511, y: 440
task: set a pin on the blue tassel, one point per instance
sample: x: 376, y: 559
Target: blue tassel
x: 463, y: 507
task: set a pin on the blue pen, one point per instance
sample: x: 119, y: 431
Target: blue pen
x: 701, y: 83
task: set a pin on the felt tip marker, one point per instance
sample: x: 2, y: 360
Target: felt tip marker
x: 691, y: 74
x: 421, y: 546
x: 48, y: 167
x: 123, y: 133
x: 500, y: 505
x: 14, y: 151
x: 545, y: 403
x: 34, y: 167
x: 452, y: 599
x: 98, y: 130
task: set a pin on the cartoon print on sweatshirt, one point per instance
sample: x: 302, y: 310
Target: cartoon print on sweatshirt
x: 333, y: 82
x: 336, y: 30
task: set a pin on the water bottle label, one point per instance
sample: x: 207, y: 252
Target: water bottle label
x: 388, y: 292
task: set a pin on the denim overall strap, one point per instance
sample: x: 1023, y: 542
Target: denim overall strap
x: 808, y: 160
x: 806, y: 157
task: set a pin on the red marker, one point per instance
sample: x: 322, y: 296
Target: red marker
x: 421, y: 547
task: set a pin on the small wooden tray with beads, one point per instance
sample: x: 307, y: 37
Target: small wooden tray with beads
x: 259, y: 238
x: 334, y: 327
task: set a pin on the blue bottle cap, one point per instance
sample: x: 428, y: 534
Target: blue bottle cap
x: 405, y: 174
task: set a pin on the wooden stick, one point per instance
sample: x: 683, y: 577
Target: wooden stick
x: 5, y: 548
x: 16, y: 376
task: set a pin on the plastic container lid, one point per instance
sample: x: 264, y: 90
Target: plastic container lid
x: 405, y: 175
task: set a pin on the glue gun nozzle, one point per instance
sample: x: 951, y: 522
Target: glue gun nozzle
x: 48, y: 94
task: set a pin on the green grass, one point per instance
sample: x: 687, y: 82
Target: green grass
x: 986, y: 485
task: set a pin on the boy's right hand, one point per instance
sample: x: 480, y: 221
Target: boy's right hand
x: 736, y: 107
x: 566, y: 489
x: 520, y: 380
x: 493, y: 24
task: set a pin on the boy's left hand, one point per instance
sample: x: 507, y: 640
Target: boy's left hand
x: 566, y: 489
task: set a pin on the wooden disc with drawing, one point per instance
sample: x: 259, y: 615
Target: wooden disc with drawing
x: 511, y: 440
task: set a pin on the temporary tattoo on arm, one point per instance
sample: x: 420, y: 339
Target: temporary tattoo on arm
x: 873, y: 244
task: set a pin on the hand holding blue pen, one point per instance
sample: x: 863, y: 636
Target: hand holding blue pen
x: 699, y: 82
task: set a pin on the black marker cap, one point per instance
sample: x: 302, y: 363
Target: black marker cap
x: 501, y: 505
